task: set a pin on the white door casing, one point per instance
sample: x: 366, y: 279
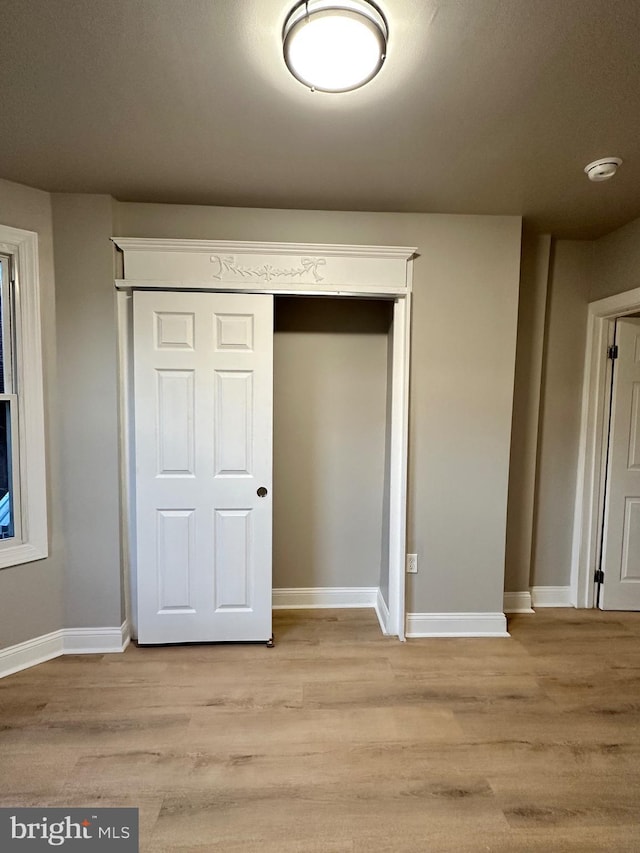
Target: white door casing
x: 203, y: 368
x: 621, y: 539
x: 594, y: 423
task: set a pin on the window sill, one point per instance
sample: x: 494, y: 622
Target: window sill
x: 26, y: 552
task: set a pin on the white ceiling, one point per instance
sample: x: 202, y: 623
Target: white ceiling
x: 483, y: 106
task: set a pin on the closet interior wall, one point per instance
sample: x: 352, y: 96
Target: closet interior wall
x: 330, y: 449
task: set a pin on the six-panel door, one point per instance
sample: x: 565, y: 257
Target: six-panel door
x: 203, y: 436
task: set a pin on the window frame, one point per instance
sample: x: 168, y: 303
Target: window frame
x: 31, y: 539
x: 9, y: 394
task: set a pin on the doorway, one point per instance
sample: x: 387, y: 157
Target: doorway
x: 607, y: 512
x: 618, y: 576
x: 278, y: 269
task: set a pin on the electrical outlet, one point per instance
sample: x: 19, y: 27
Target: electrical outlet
x: 412, y: 564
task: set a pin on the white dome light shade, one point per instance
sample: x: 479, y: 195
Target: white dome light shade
x: 335, y: 48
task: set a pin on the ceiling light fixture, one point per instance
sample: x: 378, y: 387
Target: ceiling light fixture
x: 602, y: 170
x: 335, y: 47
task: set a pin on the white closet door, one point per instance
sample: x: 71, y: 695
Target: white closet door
x: 621, y: 543
x: 203, y: 412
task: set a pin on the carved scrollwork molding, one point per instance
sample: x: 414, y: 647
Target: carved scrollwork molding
x: 228, y: 267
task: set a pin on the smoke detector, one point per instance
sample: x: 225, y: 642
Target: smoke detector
x: 602, y: 170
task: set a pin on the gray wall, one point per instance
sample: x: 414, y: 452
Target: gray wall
x: 31, y: 594
x: 463, y: 351
x: 615, y: 262
x: 534, y: 273
x: 87, y: 394
x: 563, y: 366
x: 463, y: 345
x: 580, y: 272
x: 330, y: 381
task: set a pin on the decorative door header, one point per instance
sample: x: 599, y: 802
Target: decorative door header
x: 266, y: 267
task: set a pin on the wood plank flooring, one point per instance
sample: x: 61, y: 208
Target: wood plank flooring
x: 339, y: 740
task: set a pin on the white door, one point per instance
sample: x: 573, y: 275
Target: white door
x: 203, y: 436
x: 621, y: 541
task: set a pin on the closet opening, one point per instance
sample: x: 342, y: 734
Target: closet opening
x: 331, y: 462
x: 341, y: 342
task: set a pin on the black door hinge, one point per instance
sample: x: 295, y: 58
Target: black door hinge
x: 612, y: 352
x: 599, y: 576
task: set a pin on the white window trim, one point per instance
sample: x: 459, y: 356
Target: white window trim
x: 33, y: 543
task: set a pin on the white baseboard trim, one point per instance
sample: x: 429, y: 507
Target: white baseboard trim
x: 517, y: 602
x: 95, y: 641
x: 307, y: 598
x: 30, y: 653
x: 456, y: 625
x: 382, y: 612
x: 551, y: 596
x: 67, y: 641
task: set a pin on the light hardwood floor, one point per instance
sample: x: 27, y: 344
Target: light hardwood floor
x: 339, y: 740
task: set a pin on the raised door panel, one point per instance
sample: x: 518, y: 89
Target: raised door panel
x: 634, y: 429
x: 630, y: 565
x: 175, y: 330
x: 175, y: 560
x: 234, y: 555
x: 175, y: 423
x: 233, y: 435
x: 234, y: 332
